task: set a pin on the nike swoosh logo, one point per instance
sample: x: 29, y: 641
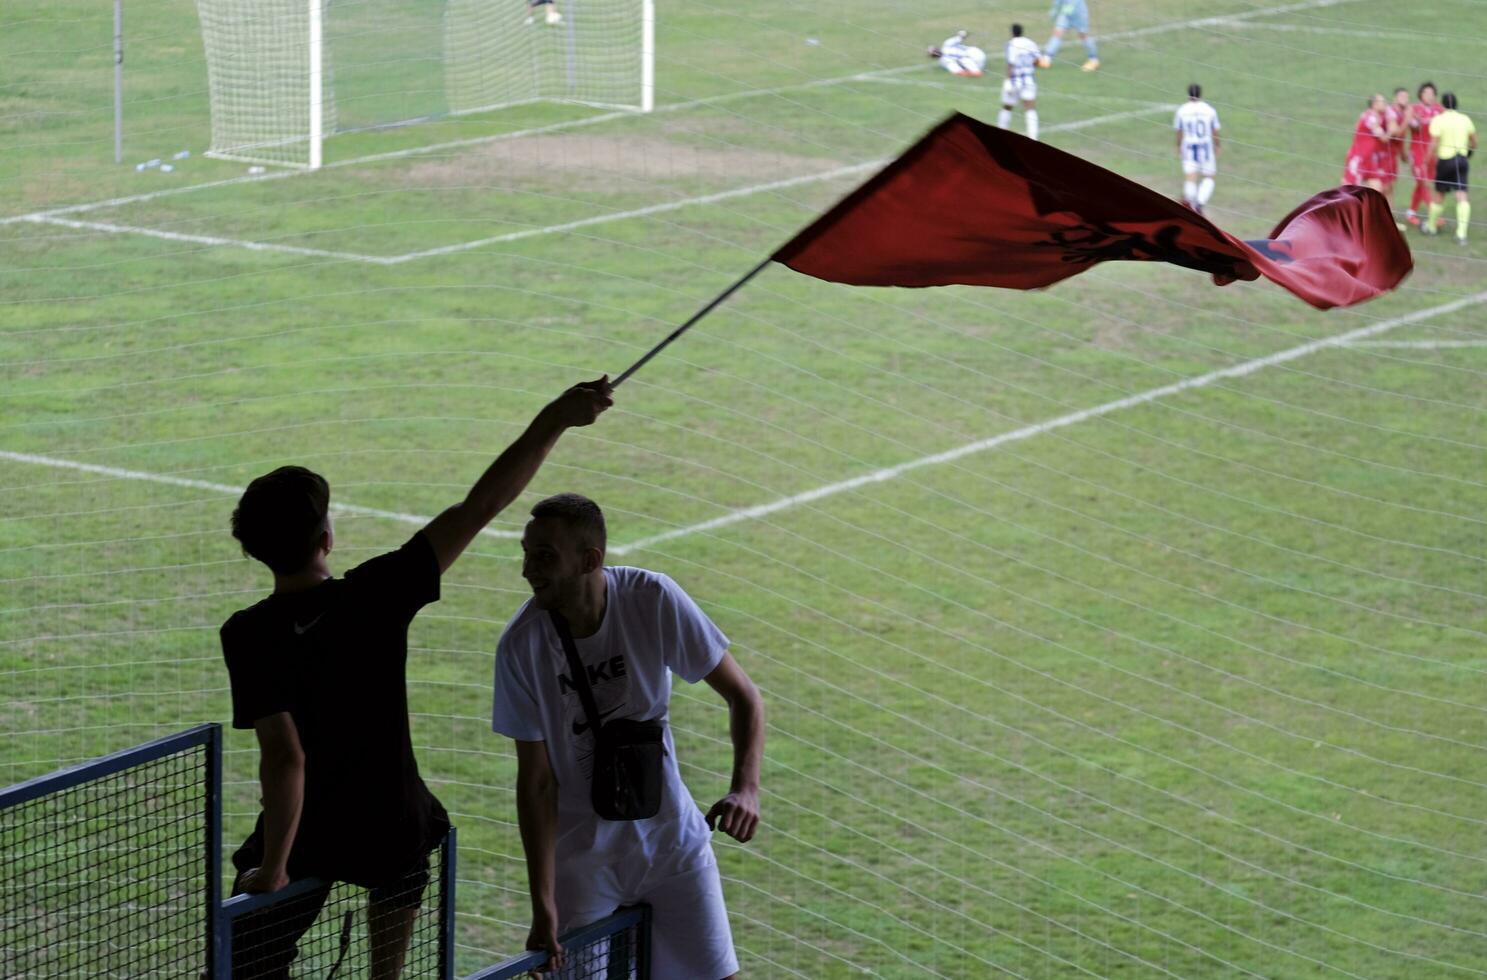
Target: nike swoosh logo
x: 302, y: 630
x: 579, y: 727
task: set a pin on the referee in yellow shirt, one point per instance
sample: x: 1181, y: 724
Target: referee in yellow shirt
x: 1453, y: 137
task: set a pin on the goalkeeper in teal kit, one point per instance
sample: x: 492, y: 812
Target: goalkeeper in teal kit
x: 1072, y: 13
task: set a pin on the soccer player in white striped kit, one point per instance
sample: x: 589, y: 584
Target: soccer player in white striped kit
x: 1023, y: 57
x: 1197, y: 125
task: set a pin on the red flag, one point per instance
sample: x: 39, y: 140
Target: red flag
x: 977, y: 205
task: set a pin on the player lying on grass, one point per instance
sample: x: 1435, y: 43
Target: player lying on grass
x: 959, y: 58
x: 318, y: 672
x: 628, y: 631
x: 551, y: 15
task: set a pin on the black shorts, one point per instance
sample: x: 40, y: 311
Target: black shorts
x: 400, y: 891
x: 1451, y: 175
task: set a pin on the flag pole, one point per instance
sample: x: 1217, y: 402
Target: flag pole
x: 714, y: 304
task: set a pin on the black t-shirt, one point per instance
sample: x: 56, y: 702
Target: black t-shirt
x: 335, y: 657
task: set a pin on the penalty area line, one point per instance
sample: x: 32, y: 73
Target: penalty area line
x: 1154, y: 29
x: 1419, y: 344
x: 1347, y: 339
x: 176, y: 236
x: 839, y: 172
x: 662, y: 208
x: 117, y: 473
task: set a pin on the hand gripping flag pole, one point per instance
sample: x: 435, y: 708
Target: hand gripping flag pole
x: 971, y: 204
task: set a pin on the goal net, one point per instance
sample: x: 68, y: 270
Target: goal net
x: 285, y: 74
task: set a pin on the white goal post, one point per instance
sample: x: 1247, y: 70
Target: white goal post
x: 284, y: 75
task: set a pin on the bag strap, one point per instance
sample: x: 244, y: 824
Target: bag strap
x: 577, y: 670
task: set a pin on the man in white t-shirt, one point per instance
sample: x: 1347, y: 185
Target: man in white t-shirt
x: 1197, y: 125
x: 633, y: 629
x: 1023, y: 57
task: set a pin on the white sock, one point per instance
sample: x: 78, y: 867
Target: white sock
x: 1031, y: 118
x: 1190, y: 192
x: 1205, y: 190
x: 1004, y: 118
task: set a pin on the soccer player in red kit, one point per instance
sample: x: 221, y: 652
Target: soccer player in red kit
x: 1397, y: 124
x: 1420, y: 163
x: 1367, y: 156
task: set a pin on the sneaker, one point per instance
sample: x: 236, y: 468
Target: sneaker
x: 530, y: 20
x: 1090, y: 65
x: 1427, y: 230
x: 1413, y: 219
x: 553, y: 17
x: 1461, y: 240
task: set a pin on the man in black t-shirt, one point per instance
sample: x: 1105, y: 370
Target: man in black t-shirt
x: 318, y: 672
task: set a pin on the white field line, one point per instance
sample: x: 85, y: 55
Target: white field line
x: 847, y: 171
x: 1352, y: 338
x: 458, y: 144
x: 177, y: 481
x: 1072, y: 418
x: 1221, y: 20
x: 1420, y: 344
x: 1070, y: 127
x: 1334, y: 31
x: 856, y: 168
x: 1227, y: 19
x: 175, y: 236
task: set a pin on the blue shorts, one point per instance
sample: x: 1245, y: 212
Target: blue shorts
x: 1071, y: 13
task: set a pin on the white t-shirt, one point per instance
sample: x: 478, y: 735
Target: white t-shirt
x: 1197, y: 121
x: 651, y: 629
x: 1022, y: 58
x: 958, y: 56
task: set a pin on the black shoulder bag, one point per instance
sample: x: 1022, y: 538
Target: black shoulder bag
x: 628, y: 754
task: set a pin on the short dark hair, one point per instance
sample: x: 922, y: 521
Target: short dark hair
x: 1017, y: 30
x: 1423, y: 86
x: 280, y: 517
x: 1195, y: 91
x: 1401, y: 89
x: 1448, y: 99
x: 579, y: 513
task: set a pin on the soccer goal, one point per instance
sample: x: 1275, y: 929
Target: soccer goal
x: 284, y: 75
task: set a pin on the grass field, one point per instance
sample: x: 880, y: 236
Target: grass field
x: 1191, y: 688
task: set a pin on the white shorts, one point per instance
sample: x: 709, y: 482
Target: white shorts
x: 1011, y: 93
x: 970, y: 61
x: 1199, y: 158
x: 690, y: 937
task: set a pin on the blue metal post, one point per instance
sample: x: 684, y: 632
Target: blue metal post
x: 213, y: 844
x: 643, y: 945
x: 447, y: 865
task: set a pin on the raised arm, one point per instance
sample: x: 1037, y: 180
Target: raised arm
x: 737, y: 814
x: 281, y: 772
x: 537, y: 818
x: 452, y: 531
